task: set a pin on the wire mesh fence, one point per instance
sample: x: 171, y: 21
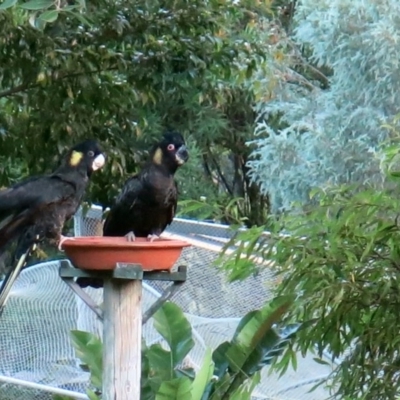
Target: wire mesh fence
x: 35, y: 345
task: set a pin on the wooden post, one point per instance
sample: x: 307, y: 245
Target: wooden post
x: 122, y: 338
x: 122, y: 321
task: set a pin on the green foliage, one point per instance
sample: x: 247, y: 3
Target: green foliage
x: 89, y: 349
x: 176, y: 389
x: 254, y: 345
x: 177, y: 332
x: 333, y: 87
x: 342, y: 260
x: 245, y: 259
x: 122, y: 72
x: 221, y: 209
x: 203, y: 377
x: 89, y: 393
x: 230, y: 372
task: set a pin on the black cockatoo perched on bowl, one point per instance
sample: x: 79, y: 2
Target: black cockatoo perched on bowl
x: 37, y: 208
x: 147, y: 202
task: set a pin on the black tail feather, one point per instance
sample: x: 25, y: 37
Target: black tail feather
x: 12, y: 275
x: 90, y: 282
x: 25, y: 246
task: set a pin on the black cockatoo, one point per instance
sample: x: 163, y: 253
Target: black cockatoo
x: 148, y: 200
x: 37, y: 208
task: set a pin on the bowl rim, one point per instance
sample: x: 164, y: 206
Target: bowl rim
x: 116, y: 242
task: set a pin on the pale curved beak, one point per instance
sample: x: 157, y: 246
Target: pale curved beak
x: 98, y: 162
x: 182, y: 155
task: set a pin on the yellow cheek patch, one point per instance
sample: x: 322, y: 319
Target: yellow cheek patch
x: 157, y: 158
x: 76, y: 158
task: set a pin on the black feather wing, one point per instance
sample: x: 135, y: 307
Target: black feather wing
x: 20, y: 196
x: 120, y: 220
x: 34, y: 209
x: 174, y: 203
x: 171, y: 203
x: 146, y: 205
x: 41, y: 201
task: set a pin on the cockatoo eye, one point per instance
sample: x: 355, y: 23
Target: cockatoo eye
x: 171, y: 147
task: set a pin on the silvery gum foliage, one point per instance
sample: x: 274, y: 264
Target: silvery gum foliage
x: 330, y: 136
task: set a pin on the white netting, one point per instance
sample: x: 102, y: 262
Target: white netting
x: 34, y: 328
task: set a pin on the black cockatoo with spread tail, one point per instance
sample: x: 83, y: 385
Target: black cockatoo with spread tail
x: 36, y: 208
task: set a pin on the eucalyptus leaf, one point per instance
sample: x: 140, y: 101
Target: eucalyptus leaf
x: 7, y: 4
x: 49, y: 16
x: 36, y: 5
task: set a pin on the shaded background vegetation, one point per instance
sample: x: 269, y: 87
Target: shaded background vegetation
x: 122, y: 72
x: 275, y: 98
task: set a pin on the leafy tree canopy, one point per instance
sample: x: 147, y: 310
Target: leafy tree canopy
x: 122, y: 72
x: 335, y: 86
x: 341, y: 258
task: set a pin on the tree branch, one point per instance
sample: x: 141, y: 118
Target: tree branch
x: 14, y: 90
x: 219, y: 172
x: 26, y: 86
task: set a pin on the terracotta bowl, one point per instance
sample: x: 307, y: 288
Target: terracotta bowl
x: 102, y: 252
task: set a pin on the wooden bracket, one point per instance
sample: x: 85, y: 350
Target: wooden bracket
x: 122, y: 320
x: 124, y: 271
